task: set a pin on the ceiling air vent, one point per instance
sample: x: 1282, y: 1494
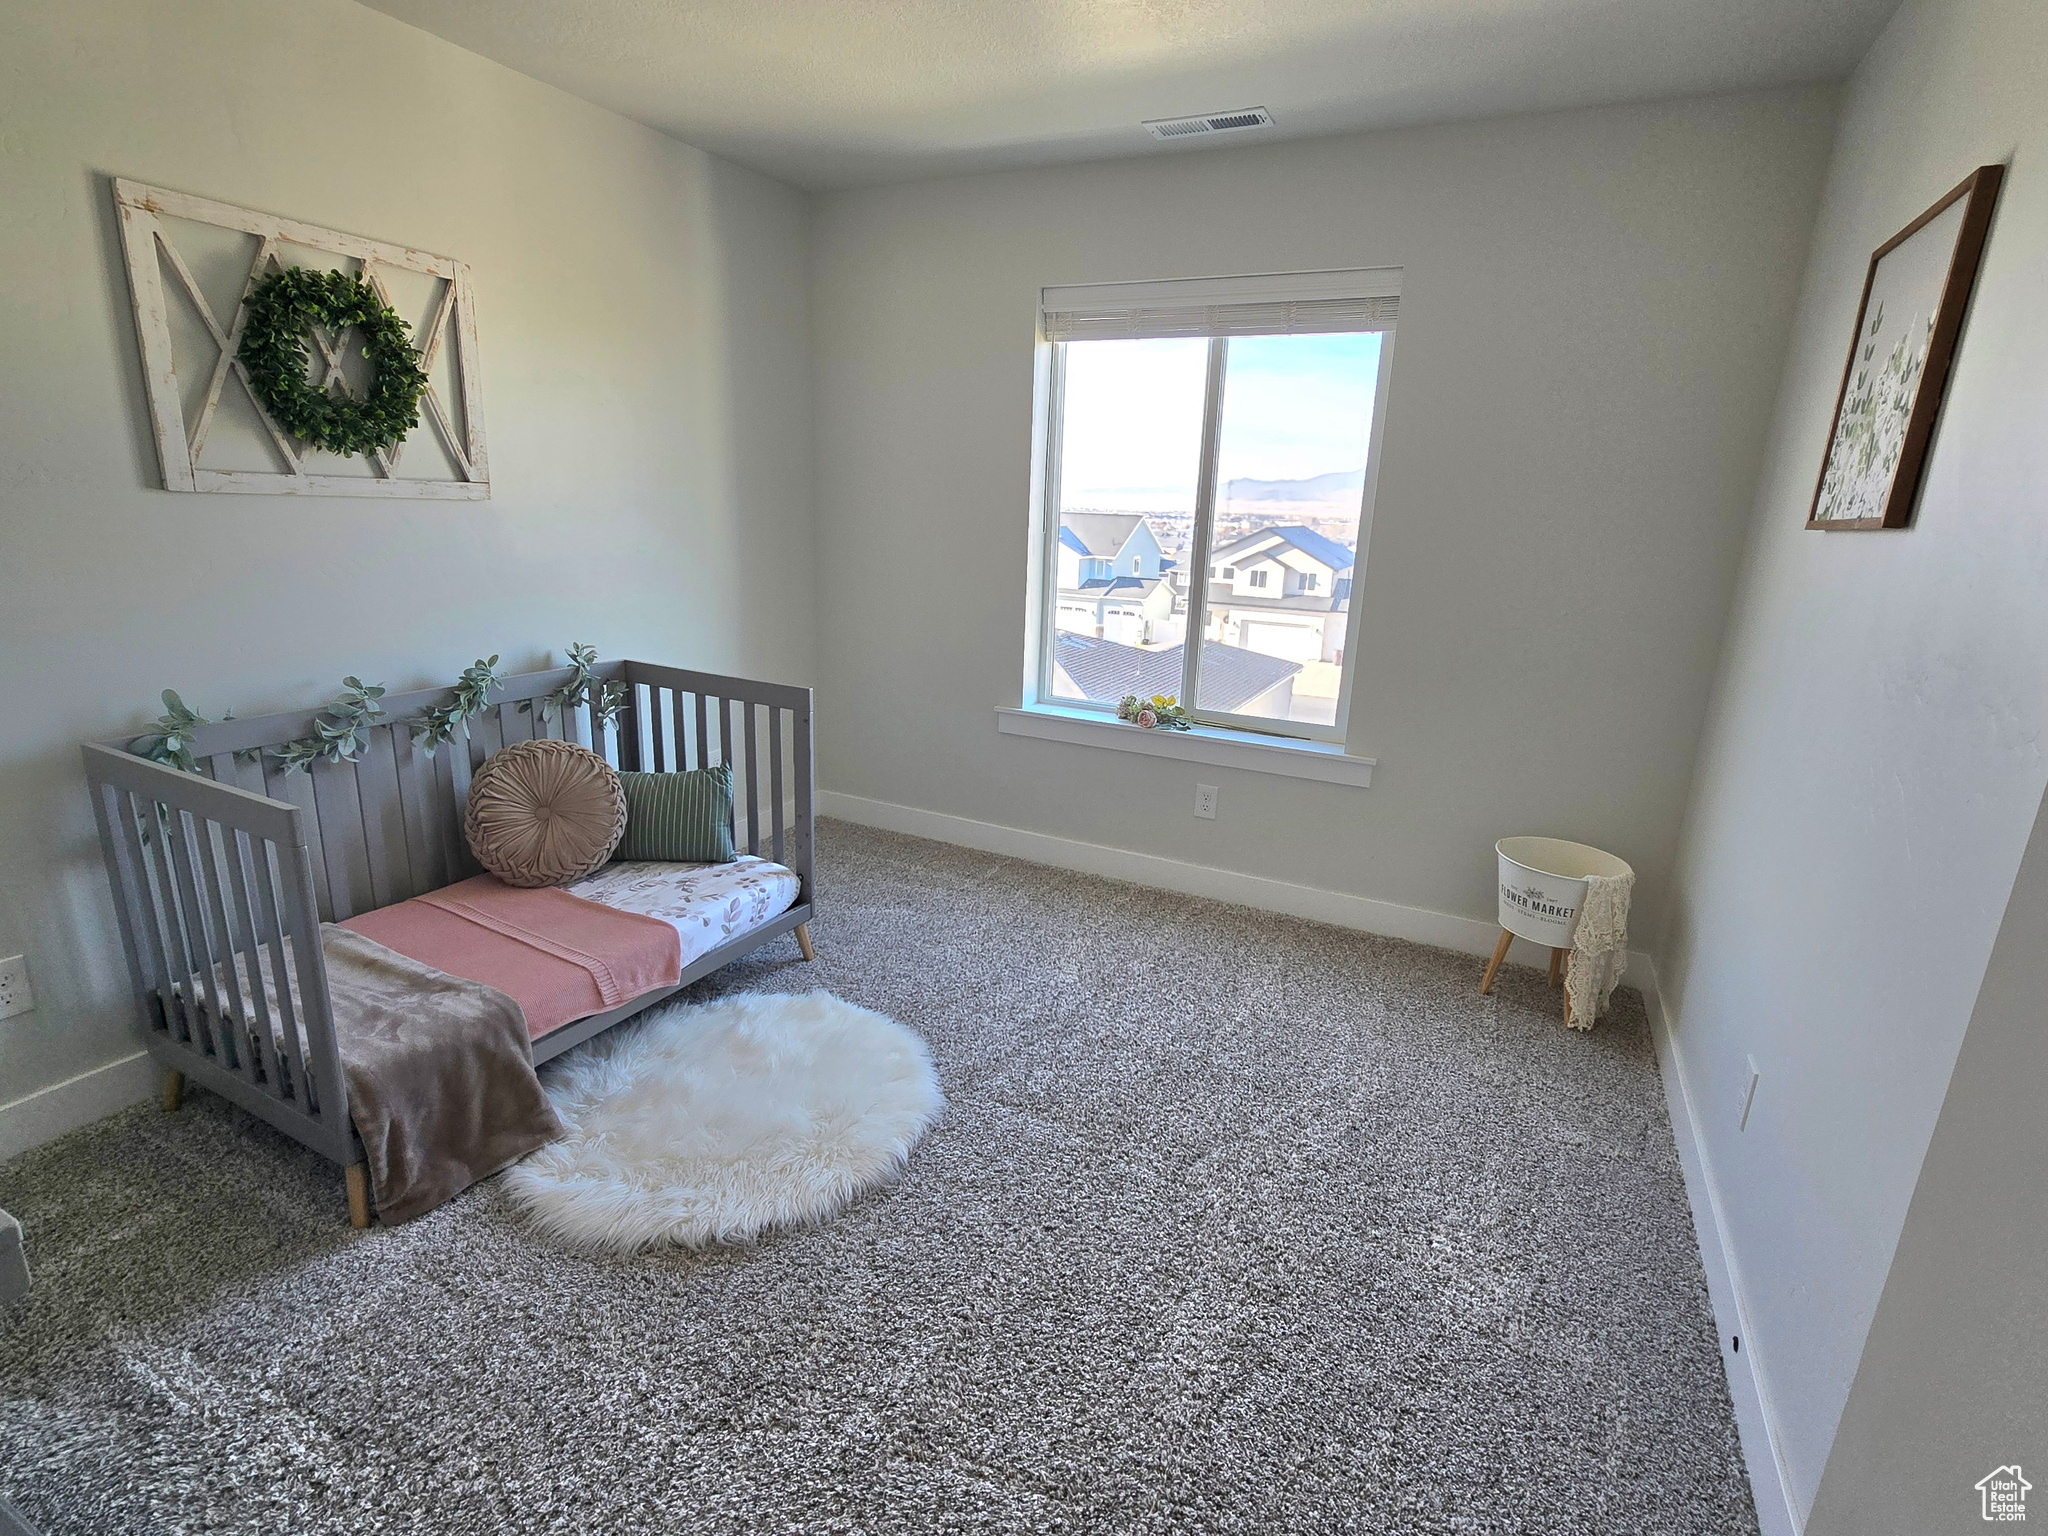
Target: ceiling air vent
x: 1210, y: 122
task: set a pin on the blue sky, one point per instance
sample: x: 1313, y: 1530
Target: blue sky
x: 1293, y: 406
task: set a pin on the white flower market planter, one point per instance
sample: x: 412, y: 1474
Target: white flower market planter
x: 1542, y: 882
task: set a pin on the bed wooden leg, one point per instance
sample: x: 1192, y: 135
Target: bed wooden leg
x: 174, y: 1091
x: 1500, y: 953
x: 358, y: 1176
x: 803, y: 941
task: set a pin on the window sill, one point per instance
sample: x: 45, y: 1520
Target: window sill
x: 1287, y: 756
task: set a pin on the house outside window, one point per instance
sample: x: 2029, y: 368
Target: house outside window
x: 1227, y: 426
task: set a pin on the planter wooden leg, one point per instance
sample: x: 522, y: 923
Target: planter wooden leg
x: 803, y: 941
x: 1556, y: 966
x: 1500, y: 953
x: 174, y: 1091
x: 1567, y: 994
x: 358, y: 1177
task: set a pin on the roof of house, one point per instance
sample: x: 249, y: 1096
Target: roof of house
x: 1231, y: 678
x: 1338, y: 557
x: 1098, y: 533
x: 1111, y: 586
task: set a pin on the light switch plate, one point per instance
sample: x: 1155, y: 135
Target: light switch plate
x: 16, y: 996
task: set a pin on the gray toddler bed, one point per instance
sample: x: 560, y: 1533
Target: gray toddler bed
x: 250, y: 859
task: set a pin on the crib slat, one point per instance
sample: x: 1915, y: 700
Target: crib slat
x: 376, y: 775
x: 443, y: 810
x: 753, y: 784
x: 127, y: 810
x: 626, y: 734
x: 800, y: 843
x: 703, y: 759
x: 228, y: 1024
x: 291, y: 1074
x: 126, y: 916
x: 515, y: 725
x: 341, y: 833
x: 459, y: 754
x: 328, y: 1098
x: 775, y: 778
x: 298, y: 789
x: 486, y: 735
x: 657, y: 728
x: 416, y: 785
x: 156, y: 860
x: 202, y: 986
x: 257, y: 1023
x: 223, y: 766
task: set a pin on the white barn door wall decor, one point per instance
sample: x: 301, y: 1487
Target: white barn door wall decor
x: 192, y: 264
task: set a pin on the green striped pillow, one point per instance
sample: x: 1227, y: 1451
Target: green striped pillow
x: 678, y: 817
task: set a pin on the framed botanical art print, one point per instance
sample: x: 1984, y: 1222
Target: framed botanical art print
x: 1906, y: 330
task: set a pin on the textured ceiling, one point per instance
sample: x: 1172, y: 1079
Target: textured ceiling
x: 826, y: 93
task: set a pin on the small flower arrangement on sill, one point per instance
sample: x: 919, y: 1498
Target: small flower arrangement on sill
x: 1159, y: 713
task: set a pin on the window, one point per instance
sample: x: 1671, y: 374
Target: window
x: 1232, y: 425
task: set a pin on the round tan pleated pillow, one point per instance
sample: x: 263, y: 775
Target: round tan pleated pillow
x: 544, y: 813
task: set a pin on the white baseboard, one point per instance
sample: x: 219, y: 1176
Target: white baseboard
x: 49, y: 1112
x: 1756, y: 1421
x: 1470, y: 935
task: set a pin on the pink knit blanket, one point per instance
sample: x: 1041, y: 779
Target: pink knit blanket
x: 561, y: 958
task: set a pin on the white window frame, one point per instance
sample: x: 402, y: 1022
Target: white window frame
x: 1041, y: 632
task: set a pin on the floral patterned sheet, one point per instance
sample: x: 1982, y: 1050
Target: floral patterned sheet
x: 707, y: 904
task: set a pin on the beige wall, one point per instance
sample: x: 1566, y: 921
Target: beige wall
x: 1592, y: 322
x: 645, y: 380
x: 1869, y: 775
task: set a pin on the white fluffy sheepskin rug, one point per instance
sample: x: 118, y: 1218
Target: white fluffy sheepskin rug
x: 715, y: 1123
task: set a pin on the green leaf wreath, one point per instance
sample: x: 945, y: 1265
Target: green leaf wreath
x: 273, y: 349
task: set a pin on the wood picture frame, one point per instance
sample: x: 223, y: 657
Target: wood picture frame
x: 1897, y: 373
x: 183, y: 415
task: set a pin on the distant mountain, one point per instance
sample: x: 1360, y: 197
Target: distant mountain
x: 1330, y: 487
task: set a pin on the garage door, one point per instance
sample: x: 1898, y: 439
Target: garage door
x: 1290, y: 642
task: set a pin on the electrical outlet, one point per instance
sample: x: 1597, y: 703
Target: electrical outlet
x: 1205, y: 801
x: 16, y: 996
x: 1748, y: 1094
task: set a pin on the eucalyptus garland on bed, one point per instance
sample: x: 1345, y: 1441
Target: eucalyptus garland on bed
x: 610, y: 699
x: 283, y: 307
x: 337, y: 730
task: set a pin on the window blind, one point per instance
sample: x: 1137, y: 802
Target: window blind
x: 1283, y: 317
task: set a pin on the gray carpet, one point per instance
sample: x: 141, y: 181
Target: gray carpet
x: 1234, y: 1223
